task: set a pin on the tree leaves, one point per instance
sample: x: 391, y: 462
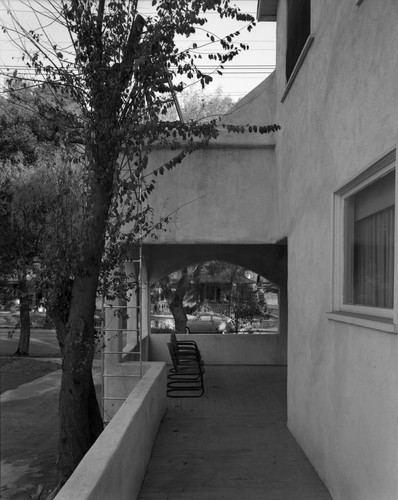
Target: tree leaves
x: 240, y: 129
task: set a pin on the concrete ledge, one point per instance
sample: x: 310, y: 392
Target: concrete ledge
x: 115, y: 466
x: 225, y: 349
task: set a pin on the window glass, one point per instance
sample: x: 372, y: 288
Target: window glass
x: 369, y: 244
x: 204, y: 318
x: 298, y: 30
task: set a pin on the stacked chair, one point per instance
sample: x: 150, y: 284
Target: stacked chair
x: 185, y: 378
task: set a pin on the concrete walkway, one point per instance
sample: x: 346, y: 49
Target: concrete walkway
x: 232, y: 443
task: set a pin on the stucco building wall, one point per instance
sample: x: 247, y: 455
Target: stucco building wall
x: 219, y: 195
x: 340, y: 116
x: 227, y: 192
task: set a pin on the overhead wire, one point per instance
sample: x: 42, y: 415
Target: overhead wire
x: 235, y: 71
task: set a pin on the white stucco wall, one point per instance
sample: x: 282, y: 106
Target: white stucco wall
x: 114, y: 467
x: 340, y: 115
x: 223, y: 349
x: 218, y: 196
x: 227, y: 192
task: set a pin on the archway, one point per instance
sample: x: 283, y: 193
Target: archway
x: 268, y: 260
x: 215, y: 297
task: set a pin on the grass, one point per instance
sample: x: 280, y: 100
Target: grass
x: 15, y: 371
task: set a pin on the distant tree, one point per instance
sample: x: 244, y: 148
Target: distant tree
x: 246, y: 310
x: 19, y: 152
x: 16, y: 261
x: 197, y: 105
x: 35, y: 187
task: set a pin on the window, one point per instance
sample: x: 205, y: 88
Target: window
x: 204, y: 318
x: 298, y: 31
x: 365, y: 218
x: 369, y: 245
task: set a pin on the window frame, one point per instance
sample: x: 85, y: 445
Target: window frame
x: 384, y: 165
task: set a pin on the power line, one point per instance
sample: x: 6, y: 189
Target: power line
x: 191, y: 39
x: 240, y: 72
x: 236, y: 69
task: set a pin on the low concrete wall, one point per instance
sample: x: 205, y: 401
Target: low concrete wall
x: 223, y: 349
x: 119, y: 381
x: 114, y: 467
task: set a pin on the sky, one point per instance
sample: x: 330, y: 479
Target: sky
x: 240, y: 76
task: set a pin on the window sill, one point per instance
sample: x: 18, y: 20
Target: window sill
x: 372, y: 322
x: 298, y: 65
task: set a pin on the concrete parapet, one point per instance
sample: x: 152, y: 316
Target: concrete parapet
x: 114, y: 467
x: 226, y: 349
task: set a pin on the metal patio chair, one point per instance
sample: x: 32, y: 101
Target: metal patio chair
x: 185, y: 377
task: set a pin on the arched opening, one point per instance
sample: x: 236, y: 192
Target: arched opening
x: 216, y: 297
x: 267, y: 261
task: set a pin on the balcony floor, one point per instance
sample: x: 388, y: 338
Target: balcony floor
x: 232, y: 443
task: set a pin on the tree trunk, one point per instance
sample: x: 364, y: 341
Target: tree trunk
x: 198, y: 287
x: 175, y: 300
x: 48, y: 324
x: 80, y: 417
x: 24, y: 319
x: 80, y: 421
x: 176, y: 303
x: 180, y: 318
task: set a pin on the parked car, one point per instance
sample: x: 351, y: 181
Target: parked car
x: 209, y: 322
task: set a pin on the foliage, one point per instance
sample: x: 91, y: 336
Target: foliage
x: 198, y: 105
x: 35, y: 186
x: 246, y: 311
x: 40, y: 212
x: 162, y: 329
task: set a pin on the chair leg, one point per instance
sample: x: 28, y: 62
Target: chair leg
x: 178, y: 387
x: 180, y: 392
